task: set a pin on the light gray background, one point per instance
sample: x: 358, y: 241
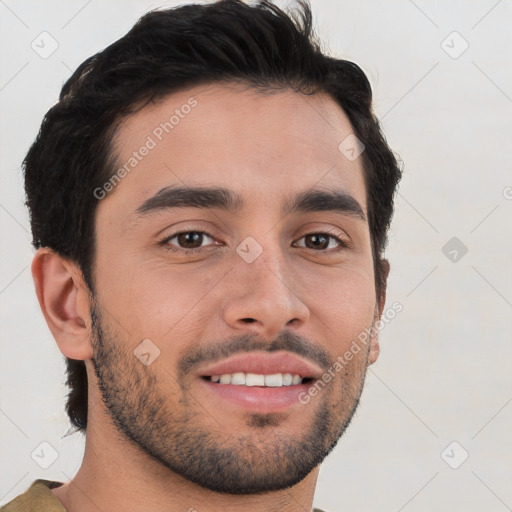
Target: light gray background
x: 444, y: 370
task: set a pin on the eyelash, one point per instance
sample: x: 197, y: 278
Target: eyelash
x: 342, y: 244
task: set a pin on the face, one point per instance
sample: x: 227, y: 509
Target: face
x: 218, y: 309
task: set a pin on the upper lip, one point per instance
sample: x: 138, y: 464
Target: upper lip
x: 264, y: 363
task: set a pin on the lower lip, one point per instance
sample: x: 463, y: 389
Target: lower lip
x: 257, y: 399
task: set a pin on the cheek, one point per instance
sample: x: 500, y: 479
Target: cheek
x: 153, y: 301
x: 344, y: 305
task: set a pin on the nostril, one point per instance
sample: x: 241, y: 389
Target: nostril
x: 249, y: 320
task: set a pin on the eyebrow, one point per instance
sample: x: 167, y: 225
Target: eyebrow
x: 218, y: 197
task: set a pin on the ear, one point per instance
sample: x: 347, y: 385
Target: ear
x: 64, y: 300
x: 379, y: 309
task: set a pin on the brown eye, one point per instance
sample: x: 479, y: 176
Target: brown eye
x: 190, y: 239
x: 317, y: 241
x: 321, y: 241
x: 186, y: 240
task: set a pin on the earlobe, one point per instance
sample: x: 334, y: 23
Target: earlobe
x: 374, y: 349
x: 374, y: 338
x: 379, y: 309
x: 63, y: 299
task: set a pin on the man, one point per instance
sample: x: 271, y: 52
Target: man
x: 209, y: 200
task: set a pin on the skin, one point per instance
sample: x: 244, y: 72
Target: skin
x: 267, y: 148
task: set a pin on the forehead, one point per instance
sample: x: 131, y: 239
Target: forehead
x: 262, y: 145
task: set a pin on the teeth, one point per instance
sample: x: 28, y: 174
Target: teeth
x: 225, y: 379
x: 238, y: 378
x: 275, y: 380
x: 252, y: 379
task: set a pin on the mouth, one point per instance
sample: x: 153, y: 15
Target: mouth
x: 259, y: 382
x: 274, y: 380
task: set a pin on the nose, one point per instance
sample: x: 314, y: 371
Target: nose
x: 263, y: 298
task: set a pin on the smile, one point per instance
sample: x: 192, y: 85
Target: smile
x: 275, y: 380
x: 259, y: 382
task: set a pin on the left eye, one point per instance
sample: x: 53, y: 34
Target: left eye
x: 321, y: 241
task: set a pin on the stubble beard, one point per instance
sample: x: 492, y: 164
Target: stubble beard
x: 170, y: 428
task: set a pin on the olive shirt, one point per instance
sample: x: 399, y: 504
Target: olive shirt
x: 39, y: 498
